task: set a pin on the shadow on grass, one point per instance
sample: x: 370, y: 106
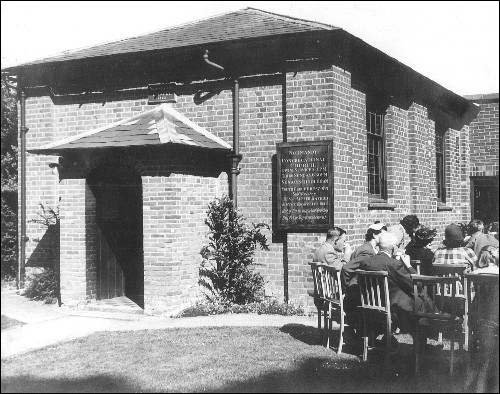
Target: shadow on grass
x: 307, y: 334
x: 343, y: 375
x: 91, y: 384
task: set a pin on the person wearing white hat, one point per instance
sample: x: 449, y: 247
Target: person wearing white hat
x: 363, y: 252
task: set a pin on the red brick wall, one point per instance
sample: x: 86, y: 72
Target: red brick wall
x: 484, y: 141
x: 320, y: 104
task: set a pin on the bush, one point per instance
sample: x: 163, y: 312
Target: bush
x: 9, y: 239
x: 42, y: 286
x: 227, y: 259
x: 266, y: 307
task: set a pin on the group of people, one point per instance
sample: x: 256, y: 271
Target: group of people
x: 386, y: 249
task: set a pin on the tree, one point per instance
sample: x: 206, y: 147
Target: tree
x: 228, y: 258
x: 9, y: 178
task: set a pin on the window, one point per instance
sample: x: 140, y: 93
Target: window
x: 376, y: 155
x: 440, y: 178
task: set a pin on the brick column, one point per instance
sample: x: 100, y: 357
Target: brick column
x: 78, y: 246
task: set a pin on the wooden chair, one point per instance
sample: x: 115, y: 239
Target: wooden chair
x: 334, y: 300
x: 375, y: 306
x: 442, y: 289
x: 483, y: 298
x: 416, y: 264
x: 458, y: 271
x: 317, y: 293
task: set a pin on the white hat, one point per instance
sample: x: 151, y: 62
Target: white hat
x: 377, y: 226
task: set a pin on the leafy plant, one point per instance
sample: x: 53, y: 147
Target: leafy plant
x: 46, y: 286
x: 229, y: 256
x: 42, y: 286
x: 266, y: 307
x: 8, y: 183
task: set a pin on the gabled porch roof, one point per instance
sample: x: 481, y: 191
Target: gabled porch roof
x: 158, y: 126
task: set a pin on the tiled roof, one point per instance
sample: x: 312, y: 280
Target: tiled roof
x: 242, y: 24
x: 482, y: 97
x: 161, y: 125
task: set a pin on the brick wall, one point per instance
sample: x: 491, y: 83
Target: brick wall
x: 484, y: 141
x: 320, y: 104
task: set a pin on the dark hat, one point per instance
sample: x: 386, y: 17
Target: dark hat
x: 425, y: 234
x: 453, y: 236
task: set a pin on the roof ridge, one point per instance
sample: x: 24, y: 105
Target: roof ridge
x: 293, y: 19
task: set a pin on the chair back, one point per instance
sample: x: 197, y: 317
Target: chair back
x: 482, y: 294
x: 332, y: 289
x: 416, y: 264
x: 441, y: 289
x: 317, y: 270
x: 451, y: 270
x: 374, y: 288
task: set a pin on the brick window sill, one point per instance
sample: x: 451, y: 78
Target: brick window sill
x: 441, y: 207
x: 380, y: 205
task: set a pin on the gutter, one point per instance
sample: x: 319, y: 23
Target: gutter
x: 235, y: 156
x: 22, y: 238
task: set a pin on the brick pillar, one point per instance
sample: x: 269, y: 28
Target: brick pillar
x: 421, y: 136
x: 78, y: 241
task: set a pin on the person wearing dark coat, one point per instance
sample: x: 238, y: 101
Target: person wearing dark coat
x: 418, y: 250
x: 400, y: 282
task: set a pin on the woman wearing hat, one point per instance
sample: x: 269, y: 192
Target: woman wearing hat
x: 418, y: 250
x: 454, y: 251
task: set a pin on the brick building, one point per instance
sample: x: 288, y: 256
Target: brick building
x: 484, y: 158
x: 133, y: 190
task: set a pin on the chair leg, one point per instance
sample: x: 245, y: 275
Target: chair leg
x: 388, y: 340
x: 466, y: 329
x: 416, y: 349
x: 365, y: 339
x: 319, y: 317
x: 452, y: 352
x: 325, y: 327
x: 341, y: 333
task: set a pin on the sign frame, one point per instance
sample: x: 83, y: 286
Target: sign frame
x: 313, y: 227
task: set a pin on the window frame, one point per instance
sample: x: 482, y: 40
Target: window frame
x: 380, y: 140
x: 440, y: 148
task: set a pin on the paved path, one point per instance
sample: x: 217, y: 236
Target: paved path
x: 48, y: 324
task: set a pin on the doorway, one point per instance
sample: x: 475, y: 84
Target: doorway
x: 120, y: 261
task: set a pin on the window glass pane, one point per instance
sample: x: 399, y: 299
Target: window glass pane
x: 375, y: 124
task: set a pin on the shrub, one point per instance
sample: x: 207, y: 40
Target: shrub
x: 42, y: 286
x: 228, y: 258
x: 9, y: 239
x: 266, y: 307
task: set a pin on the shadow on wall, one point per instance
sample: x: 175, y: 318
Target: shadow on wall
x: 47, y: 250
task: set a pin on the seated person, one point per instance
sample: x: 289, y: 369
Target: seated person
x: 418, y: 250
x: 400, y: 282
x: 478, y: 240
x: 399, y: 251
x: 334, y: 251
x: 363, y: 252
x: 410, y: 223
x: 453, y: 250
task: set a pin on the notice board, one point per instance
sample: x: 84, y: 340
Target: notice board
x: 305, y: 185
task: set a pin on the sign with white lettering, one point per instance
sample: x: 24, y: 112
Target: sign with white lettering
x: 305, y: 185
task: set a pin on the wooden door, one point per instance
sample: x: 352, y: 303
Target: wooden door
x: 111, y: 278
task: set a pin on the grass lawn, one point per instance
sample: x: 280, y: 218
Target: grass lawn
x: 227, y: 359
x: 8, y: 322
